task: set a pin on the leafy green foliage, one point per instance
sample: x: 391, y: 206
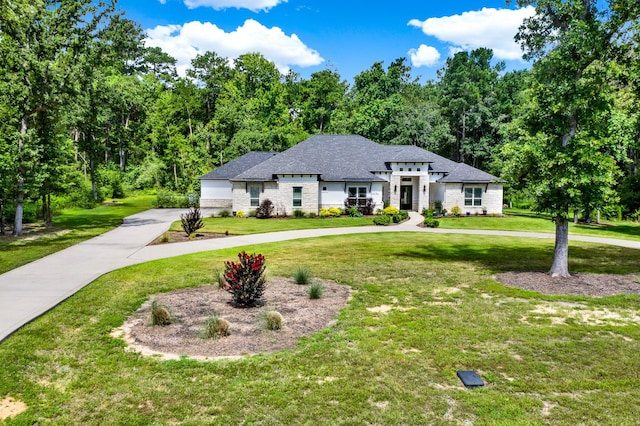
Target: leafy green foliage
x: 382, y: 220
x: 245, y: 279
x: 430, y: 222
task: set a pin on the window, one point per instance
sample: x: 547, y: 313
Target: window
x: 297, y: 196
x: 254, y: 194
x: 473, y: 196
x: 357, y: 192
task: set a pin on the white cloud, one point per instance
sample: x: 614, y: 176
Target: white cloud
x: 253, y: 5
x: 184, y: 42
x: 424, y: 56
x: 492, y: 28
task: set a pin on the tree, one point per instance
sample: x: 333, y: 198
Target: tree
x: 468, y: 84
x: 322, y: 94
x: 40, y: 44
x: 567, y: 154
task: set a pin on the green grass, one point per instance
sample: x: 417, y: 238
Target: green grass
x: 70, y: 227
x: 368, y: 368
x: 246, y: 226
x: 525, y: 221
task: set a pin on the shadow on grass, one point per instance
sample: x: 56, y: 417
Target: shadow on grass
x: 531, y: 256
x: 617, y: 229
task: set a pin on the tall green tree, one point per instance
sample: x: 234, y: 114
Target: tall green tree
x: 467, y: 84
x: 322, y: 95
x: 568, y: 157
x: 40, y: 43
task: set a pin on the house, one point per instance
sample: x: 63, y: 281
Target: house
x: 326, y: 170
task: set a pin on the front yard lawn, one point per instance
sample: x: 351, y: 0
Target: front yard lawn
x: 423, y: 307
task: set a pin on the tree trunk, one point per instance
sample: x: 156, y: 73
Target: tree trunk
x: 17, y: 223
x: 2, y: 218
x: 560, y: 266
x: 46, y: 209
x: 92, y: 172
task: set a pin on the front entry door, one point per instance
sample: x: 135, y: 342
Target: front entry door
x: 406, y: 197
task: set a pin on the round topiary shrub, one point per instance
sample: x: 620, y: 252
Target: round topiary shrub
x: 383, y: 220
x: 430, y: 222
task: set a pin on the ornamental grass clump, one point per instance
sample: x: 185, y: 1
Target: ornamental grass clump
x: 215, y: 327
x: 245, y: 279
x: 302, y: 275
x: 271, y: 319
x: 159, y: 314
x: 315, y: 290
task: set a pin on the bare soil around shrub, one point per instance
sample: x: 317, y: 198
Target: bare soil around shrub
x: 191, y: 307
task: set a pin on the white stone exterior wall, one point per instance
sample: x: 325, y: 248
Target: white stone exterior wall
x: 280, y: 193
x: 491, y: 198
x: 216, y: 194
x: 309, y: 185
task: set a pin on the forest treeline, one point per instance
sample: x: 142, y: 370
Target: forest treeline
x: 88, y: 112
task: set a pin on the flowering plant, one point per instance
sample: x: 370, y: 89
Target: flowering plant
x: 245, y: 279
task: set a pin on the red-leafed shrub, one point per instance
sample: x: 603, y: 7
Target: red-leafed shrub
x: 245, y: 279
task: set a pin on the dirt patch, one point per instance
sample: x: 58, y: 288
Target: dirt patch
x: 597, y: 285
x: 191, y: 307
x: 9, y: 407
x: 180, y: 237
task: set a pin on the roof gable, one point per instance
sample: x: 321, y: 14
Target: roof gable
x: 464, y: 173
x: 235, y: 167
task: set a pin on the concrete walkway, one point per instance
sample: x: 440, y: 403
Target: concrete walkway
x: 31, y: 290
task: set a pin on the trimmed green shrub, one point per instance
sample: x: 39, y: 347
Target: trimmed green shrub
x: 215, y: 327
x: 430, y: 222
x: 302, y: 275
x: 298, y: 214
x: 382, y: 220
x: 245, y: 279
x: 315, y: 290
x: 225, y: 213
x: 354, y: 212
x: 159, y: 314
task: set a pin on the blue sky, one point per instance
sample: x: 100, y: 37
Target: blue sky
x: 347, y: 35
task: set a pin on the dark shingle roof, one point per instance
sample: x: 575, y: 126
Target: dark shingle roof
x: 241, y: 164
x: 335, y: 158
x: 464, y: 173
x: 339, y: 158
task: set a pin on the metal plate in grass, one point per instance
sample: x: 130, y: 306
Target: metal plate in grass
x: 470, y: 378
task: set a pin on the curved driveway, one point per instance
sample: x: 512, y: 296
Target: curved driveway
x: 31, y: 290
